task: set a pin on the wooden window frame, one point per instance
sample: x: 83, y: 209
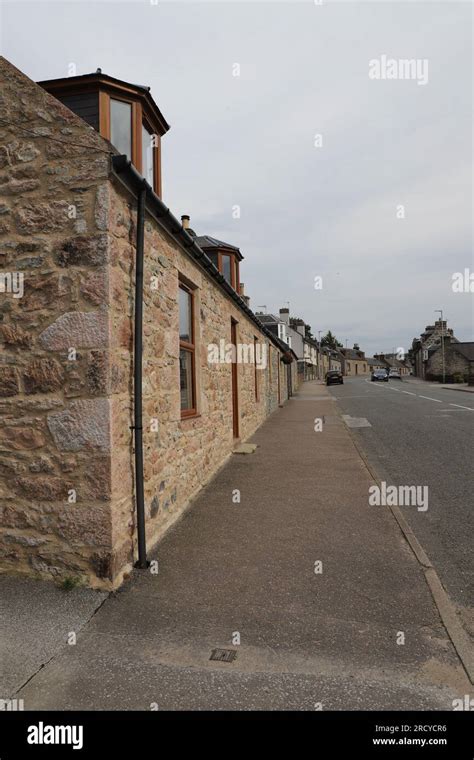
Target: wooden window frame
x: 191, y: 348
x: 139, y: 119
x: 234, y: 269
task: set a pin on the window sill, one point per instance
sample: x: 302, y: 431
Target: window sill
x: 193, y: 416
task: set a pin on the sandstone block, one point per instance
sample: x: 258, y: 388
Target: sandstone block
x: 42, y: 217
x: 83, y: 250
x: 12, y: 335
x: 41, y: 488
x: 42, y: 376
x: 44, y: 290
x: 94, y: 286
x: 97, y: 373
x: 9, y: 381
x: 21, y: 438
x: 19, y: 186
x: 101, y: 210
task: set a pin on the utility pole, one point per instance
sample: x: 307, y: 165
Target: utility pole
x: 440, y: 311
x: 319, y: 355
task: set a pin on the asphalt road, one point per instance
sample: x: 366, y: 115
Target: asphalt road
x: 421, y: 434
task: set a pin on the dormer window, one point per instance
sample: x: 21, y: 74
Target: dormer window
x: 228, y: 266
x: 225, y: 257
x: 123, y: 113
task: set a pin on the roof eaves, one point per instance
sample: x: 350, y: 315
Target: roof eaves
x: 124, y: 170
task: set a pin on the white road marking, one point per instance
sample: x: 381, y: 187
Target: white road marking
x: 451, y: 410
x: 355, y: 422
x: 340, y: 398
x: 432, y: 399
x: 463, y: 407
x: 409, y: 393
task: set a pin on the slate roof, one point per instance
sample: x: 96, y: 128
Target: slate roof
x: 206, y: 241
x: 350, y: 353
x: 268, y: 319
x: 466, y: 349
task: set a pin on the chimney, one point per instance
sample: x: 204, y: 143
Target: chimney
x: 185, y: 221
x: 285, y: 316
x: 242, y: 293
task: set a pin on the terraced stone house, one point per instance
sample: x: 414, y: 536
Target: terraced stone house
x: 113, y: 415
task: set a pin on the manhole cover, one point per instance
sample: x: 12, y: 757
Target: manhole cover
x: 223, y: 655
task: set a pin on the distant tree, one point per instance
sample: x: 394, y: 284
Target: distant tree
x: 294, y: 321
x: 330, y: 341
x: 356, y: 347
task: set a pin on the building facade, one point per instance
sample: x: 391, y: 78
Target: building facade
x: 71, y: 215
x: 457, y: 363
x: 354, y: 362
x: 428, y: 340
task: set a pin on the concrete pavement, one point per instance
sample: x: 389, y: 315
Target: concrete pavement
x: 362, y: 632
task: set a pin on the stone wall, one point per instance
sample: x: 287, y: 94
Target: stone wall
x: 181, y: 455
x: 355, y: 367
x: 67, y: 236
x: 55, y: 406
x: 455, y: 364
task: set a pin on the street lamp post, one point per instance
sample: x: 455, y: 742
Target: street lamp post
x: 440, y: 311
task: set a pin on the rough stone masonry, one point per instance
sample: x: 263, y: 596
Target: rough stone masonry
x: 66, y: 368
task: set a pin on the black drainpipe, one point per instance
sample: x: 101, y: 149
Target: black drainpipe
x: 137, y: 383
x: 124, y: 170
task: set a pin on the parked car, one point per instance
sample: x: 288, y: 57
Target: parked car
x: 379, y: 374
x: 334, y: 377
x: 395, y: 374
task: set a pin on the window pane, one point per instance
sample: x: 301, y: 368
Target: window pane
x: 121, y: 126
x: 186, y: 378
x: 185, y: 327
x: 226, y: 268
x: 148, y: 169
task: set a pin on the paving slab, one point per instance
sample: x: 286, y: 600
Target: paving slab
x: 35, y: 620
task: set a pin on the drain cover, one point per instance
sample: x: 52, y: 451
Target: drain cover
x: 223, y: 655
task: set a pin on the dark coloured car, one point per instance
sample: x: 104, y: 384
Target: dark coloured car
x: 379, y: 374
x: 334, y: 377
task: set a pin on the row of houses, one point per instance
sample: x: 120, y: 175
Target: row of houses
x: 314, y: 359
x: 132, y: 364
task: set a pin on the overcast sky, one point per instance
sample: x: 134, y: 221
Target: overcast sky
x: 249, y: 141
